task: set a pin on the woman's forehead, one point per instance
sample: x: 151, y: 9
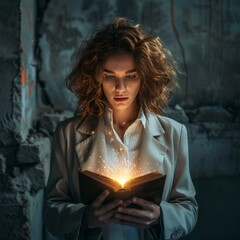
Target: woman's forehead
x: 119, y: 62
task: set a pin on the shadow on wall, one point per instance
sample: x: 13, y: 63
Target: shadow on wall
x: 219, y: 210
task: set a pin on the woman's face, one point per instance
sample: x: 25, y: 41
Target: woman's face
x: 120, y: 81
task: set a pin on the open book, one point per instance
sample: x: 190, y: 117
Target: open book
x: 149, y: 187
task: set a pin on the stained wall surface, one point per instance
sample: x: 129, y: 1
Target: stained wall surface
x: 37, y: 42
x: 202, y: 35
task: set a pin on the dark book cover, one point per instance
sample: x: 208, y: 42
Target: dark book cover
x: 149, y: 187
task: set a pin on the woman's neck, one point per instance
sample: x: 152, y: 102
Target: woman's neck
x: 124, y: 118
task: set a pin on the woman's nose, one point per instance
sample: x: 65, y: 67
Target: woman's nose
x: 120, y: 85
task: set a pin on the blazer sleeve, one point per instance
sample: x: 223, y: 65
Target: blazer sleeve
x: 62, y: 216
x: 179, y: 212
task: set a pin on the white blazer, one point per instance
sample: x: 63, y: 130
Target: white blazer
x: 164, y: 147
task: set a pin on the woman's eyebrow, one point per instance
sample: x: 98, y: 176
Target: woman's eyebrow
x: 108, y: 71
x: 129, y: 71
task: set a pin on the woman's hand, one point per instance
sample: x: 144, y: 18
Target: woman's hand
x: 99, y: 214
x: 148, y: 215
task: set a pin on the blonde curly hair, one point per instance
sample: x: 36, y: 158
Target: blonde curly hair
x: 154, y: 65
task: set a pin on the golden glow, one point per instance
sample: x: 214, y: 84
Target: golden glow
x: 122, y: 181
x: 121, y: 176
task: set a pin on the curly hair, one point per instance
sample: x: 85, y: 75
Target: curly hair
x: 154, y: 65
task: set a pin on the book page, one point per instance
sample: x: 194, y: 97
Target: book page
x: 144, y: 178
x: 103, y: 179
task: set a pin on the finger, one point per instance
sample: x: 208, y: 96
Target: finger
x: 107, y: 217
x: 127, y: 203
x: 146, y: 214
x: 107, y: 207
x: 135, y: 212
x: 100, y: 199
x: 152, y: 209
x: 132, y: 220
x: 144, y: 203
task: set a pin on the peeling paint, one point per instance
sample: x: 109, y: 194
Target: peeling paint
x: 24, y: 76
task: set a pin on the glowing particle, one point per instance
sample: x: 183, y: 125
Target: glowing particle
x: 109, y: 132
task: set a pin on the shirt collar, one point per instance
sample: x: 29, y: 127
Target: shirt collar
x: 108, y: 116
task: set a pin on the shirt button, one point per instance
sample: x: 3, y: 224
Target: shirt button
x: 92, y: 132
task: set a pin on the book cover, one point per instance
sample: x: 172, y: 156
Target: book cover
x: 149, y: 187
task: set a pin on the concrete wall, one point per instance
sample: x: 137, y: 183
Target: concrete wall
x: 208, y: 33
x: 18, y: 72
x: 10, y: 71
x: 28, y: 64
x: 37, y: 40
x: 24, y: 156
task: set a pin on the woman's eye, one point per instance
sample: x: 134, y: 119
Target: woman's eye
x: 131, y: 76
x: 110, y: 77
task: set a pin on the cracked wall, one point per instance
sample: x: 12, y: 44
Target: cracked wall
x: 37, y: 41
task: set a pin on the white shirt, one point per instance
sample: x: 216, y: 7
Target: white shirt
x: 122, y: 157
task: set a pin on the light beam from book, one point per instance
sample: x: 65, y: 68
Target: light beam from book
x: 123, y: 176
x: 121, y: 170
x: 121, y: 173
x: 149, y: 187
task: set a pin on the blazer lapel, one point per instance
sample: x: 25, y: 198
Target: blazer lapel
x: 152, y: 148
x: 91, y: 148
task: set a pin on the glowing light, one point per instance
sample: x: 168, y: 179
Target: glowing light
x: 122, y: 181
x: 122, y: 175
x: 122, y: 165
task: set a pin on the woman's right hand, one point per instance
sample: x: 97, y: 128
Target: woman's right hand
x: 99, y: 214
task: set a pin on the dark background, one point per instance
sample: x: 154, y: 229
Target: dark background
x: 37, y: 40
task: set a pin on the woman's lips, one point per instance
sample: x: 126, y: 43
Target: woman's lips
x: 120, y: 99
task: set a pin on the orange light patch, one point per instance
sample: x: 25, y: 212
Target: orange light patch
x: 30, y: 87
x: 24, y: 76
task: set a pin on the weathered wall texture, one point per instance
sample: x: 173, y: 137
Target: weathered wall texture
x: 208, y: 32
x: 24, y: 159
x: 18, y: 72
x: 9, y: 68
x: 28, y: 64
x: 37, y: 40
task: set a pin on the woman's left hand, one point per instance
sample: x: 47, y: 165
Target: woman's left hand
x: 148, y: 215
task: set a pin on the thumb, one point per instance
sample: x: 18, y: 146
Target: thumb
x: 100, y: 199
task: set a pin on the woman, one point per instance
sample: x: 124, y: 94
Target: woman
x: 123, y: 79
